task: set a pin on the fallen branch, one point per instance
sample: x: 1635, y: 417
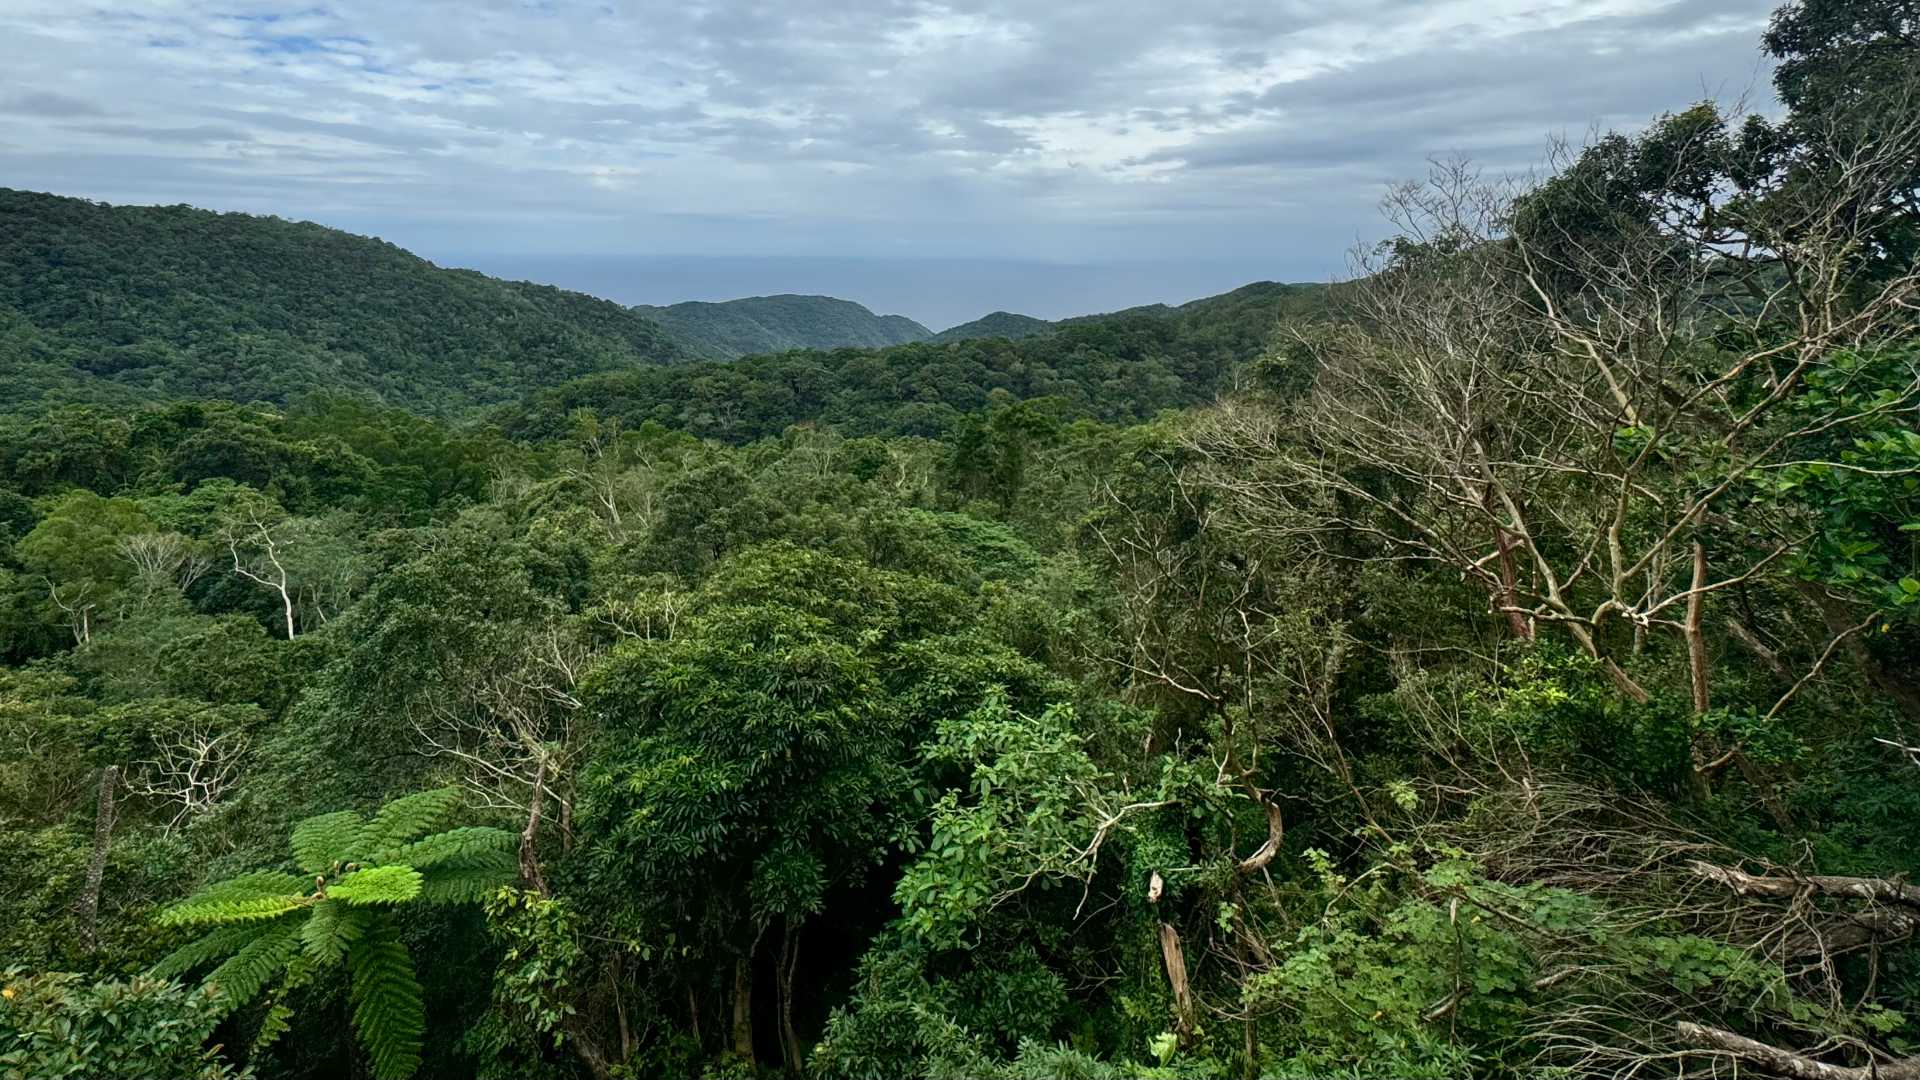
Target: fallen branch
x: 1790, y: 1064
x: 1884, y: 890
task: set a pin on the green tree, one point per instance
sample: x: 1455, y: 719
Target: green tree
x: 278, y: 930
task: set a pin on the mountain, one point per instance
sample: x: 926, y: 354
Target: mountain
x: 1119, y: 368
x: 1268, y: 298
x: 1000, y: 324
x: 769, y: 324
x: 139, y: 303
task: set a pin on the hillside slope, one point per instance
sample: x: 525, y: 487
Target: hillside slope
x: 132, y: 303
x: 1295, y: 299
x: 1118, y: 368
x: 1000, y: 324
x: 768, y: 324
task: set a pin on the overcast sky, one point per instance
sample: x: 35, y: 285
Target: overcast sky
x: 1185, y: 132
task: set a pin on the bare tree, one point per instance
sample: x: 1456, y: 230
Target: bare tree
x: 518, y: 734
x: 77, y: 602
x: 1539, y: 412
x: 164, y: 561
x: 257, y: 556
x: 190, y: 770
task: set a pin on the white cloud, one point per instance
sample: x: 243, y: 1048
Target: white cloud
x: 966, y: 127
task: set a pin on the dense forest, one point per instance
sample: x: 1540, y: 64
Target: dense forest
x: 1501, y: 664
x: 763, y: 324
x: 127, y: 304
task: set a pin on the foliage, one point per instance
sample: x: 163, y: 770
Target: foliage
x: 770, y: 324
x: 281, y: 931
x: 57, y: 1025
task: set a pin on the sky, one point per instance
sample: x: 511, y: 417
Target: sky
x: 937, y: 159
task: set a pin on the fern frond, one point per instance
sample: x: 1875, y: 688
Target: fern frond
x: 217, y: 945
x: 377, y: 885
x: 463, y: 885
x: 320, y: 842
x: 473, y: 846
x: 300, y: 972
x: 332, y: 929
x: 275, y: 1024
x: 387, y: 1007
x: 220, y: 912
x: 241, y: 977
x: 408, y: 818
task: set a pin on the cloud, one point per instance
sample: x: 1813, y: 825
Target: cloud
x: 42, y: 103
x: 1192, y: 129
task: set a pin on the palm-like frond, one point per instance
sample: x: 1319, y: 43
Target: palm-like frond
x: 387, y: 1008
x: 321, y: 842
x: 408, y: 818
x: 377, y: 885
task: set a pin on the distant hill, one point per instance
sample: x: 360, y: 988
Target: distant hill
x: 1000, y: 324
x: 768, y: 324
x: 1292, y: 299
x: 1120, y: 368
x: 132, y: 303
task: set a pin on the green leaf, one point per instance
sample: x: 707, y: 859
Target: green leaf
x: 408, y: 818
x: 388, y: 1011
x: 471, y: 847
x: 330, y: 931
x: 321, y: 842
x: 215, y: 912
x: 217, y: 945
x: 377, y: 885
x: 243, y: 975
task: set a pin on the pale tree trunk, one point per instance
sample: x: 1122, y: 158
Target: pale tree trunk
x: 88, y: 905
x: 1176, y: 961
x: 743, y: 1008
x: 1697, y: 668
x: 529, y: 855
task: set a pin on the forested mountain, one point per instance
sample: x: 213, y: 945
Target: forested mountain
x: 1119, y: 368
x: 765, y: 324
x: 1000, y: 324
x: 1264, y: 298
x: 1499, y: 666
x: 135, y: 303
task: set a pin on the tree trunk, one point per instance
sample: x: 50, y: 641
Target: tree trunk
x: 1697, y: 638
x: 88, y: 906
x: 1698, y: 743
x: 529, y: 856
x: 789, y: 963
x: 1176, y: 961
x: 743, y: 1009
x: 1516, y: 621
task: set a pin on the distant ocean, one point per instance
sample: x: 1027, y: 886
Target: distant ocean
x: 935, y: 292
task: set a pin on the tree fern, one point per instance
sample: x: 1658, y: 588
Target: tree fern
x: 330, y: 931
x: 244, y: 974
x: 321, y: 843
x: 202, y: 951
x: 280, y: 930
x: 409, y: 818
x: 387, y: 1008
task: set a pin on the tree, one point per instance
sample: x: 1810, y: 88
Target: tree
x: 277, y: 930
x: 76, y: 551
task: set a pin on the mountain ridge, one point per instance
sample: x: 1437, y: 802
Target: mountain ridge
x: 100, y: 302
x: 753, y: 325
